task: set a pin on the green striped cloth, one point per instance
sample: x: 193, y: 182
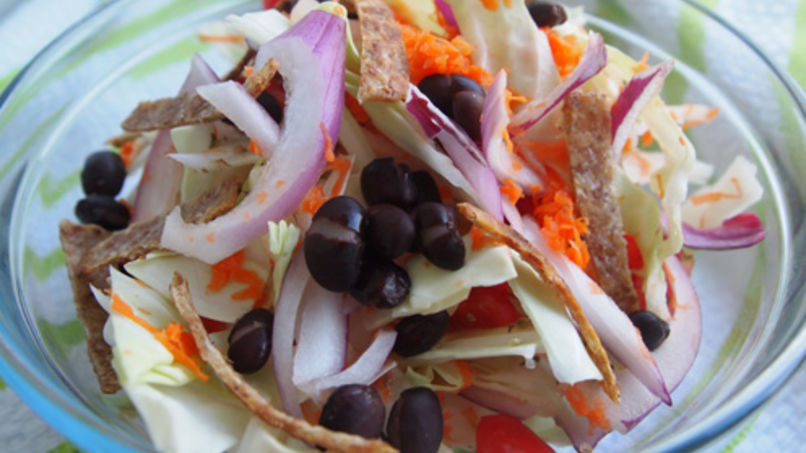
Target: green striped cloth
x: 779, y: 28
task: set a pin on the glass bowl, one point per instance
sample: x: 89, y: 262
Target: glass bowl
x: 73, y: 96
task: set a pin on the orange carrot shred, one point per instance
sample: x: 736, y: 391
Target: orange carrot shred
x: 467, y: 373
x: 429, y: 54
x: 328, y: 143
x: 248, y: 71
x: 643, y: 64
x: 235, y: 39
x: 511, y: 190
x: 254, y: 148
x: 566, y: 50
x: 554, y: 211
x: 595, y: 412
x: 127, y: 153
x: 647, y: 139
x: 713, y: 197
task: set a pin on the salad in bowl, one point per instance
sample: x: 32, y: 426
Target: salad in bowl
x: 418, y: 226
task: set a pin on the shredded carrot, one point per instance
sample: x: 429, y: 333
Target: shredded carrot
x: 466, y: 372
x: 627, y: 145
x: 279, y: 183
x: 554, y: 211
x: 713, y: 197
x: 261, y: 197
x: 328, y: 143
x: 642, y: 65
x: 127, y: 153
x: 314, y: 199
x: 647, y: 139
x: 710, y: 116
x: 341, y: 165
x: 492, y: 5
x: 512, y: 99
x: 566, y: 50
x: 661, y: 187
x: 355, y: 108
x: 471, y: 414
x: 254, y: 148
x: 511, y: 190
x: 508, y: 142
x: 231, y: 269
x: 234, y: 39
x: 210, y: 238
x: 248, y: 71
x: 555, y: 153
x: 382, y: 386
x: 595, y: 412
x: 479, y: 239
x: 429, y: 54
x: 180, y: 344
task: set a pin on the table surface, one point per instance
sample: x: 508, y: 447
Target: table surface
x: 779, y: 28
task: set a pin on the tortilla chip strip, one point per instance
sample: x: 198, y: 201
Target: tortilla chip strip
x: 384, y: 65
x: 190, y: 108
x: 76, y: 240
x: 539, y: 262
x: 251, y: 398
x: 587, y: 131
x: 140, y: 238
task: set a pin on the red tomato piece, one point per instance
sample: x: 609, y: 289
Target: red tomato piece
x: 505, y: 434
x: 634, y: 256
x: 213, y: 326
x: 486, y: 307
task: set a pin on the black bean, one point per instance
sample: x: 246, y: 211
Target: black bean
x: 437, y: 235
x: 103, y: 173
x: 388, y: 231
x: 461, y: 83
x: 546, y: 14
x: 382, y: 284
x: 437, y: 87
x: 415, y: 422
x: 272, y: 106
x: 333, y: 245
x: 355, y: 409
x: 654, y: 330
x: 250, y: 341
x: 382, y: 181
x: 467, y: 109
x: 104, y: 211
x: 427, y: 189
x: 419, y: 333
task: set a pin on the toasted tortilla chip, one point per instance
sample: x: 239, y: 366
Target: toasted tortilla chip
x: 140, y: 238
x: 190, y: 108
x: 384, y: 65
x: 76, y: 240
x: 587, y: 130
x: 546, y: 271
x: 251, y: 398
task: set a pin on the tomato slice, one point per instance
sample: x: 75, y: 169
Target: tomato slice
x: 213, y: 326
x: 505, y: 434
x: 486, y: 307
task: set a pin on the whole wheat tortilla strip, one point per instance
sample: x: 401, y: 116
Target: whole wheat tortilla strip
x: 76, y: 240
x: 592, y: 163
x: 190, y: 108
x: 384, y: 65
x: 528, y: 252
x: 140, y: 238
x: 252, y: 399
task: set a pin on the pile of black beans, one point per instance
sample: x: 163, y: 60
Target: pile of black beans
x: 350, y: 248
x: 102, y: 178
x: 414, y: 425
x: 459, y: 97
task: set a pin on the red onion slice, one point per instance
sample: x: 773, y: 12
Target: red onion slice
x: 674, y: 357
x: 615, y: 330
x: 633, y: 99
x: 741, y: 231
x: 365, y: 370
x: 322, y: 340
x: 161, y: 182
x: 594, y: 59
x: 499, y: 402
x: 311, y: 60
x: 285, y: 323
x: 460, y: 148
x: 447, y: 13
x: 244, y: 111
x: 494, y: 121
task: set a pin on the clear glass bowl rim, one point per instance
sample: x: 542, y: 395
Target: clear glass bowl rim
x: 60, y: 409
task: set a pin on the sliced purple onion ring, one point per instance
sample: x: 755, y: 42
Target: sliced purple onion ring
x: 594, y: 59
x: 741, y: 231
x: 642, y: 88
x: 161, y: 182
x: 311, y: 60
x: 459, y: 147
x: 615, y: 330
x: 494, y: 121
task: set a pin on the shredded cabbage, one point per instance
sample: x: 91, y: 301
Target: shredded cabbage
x: 283, y: 239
